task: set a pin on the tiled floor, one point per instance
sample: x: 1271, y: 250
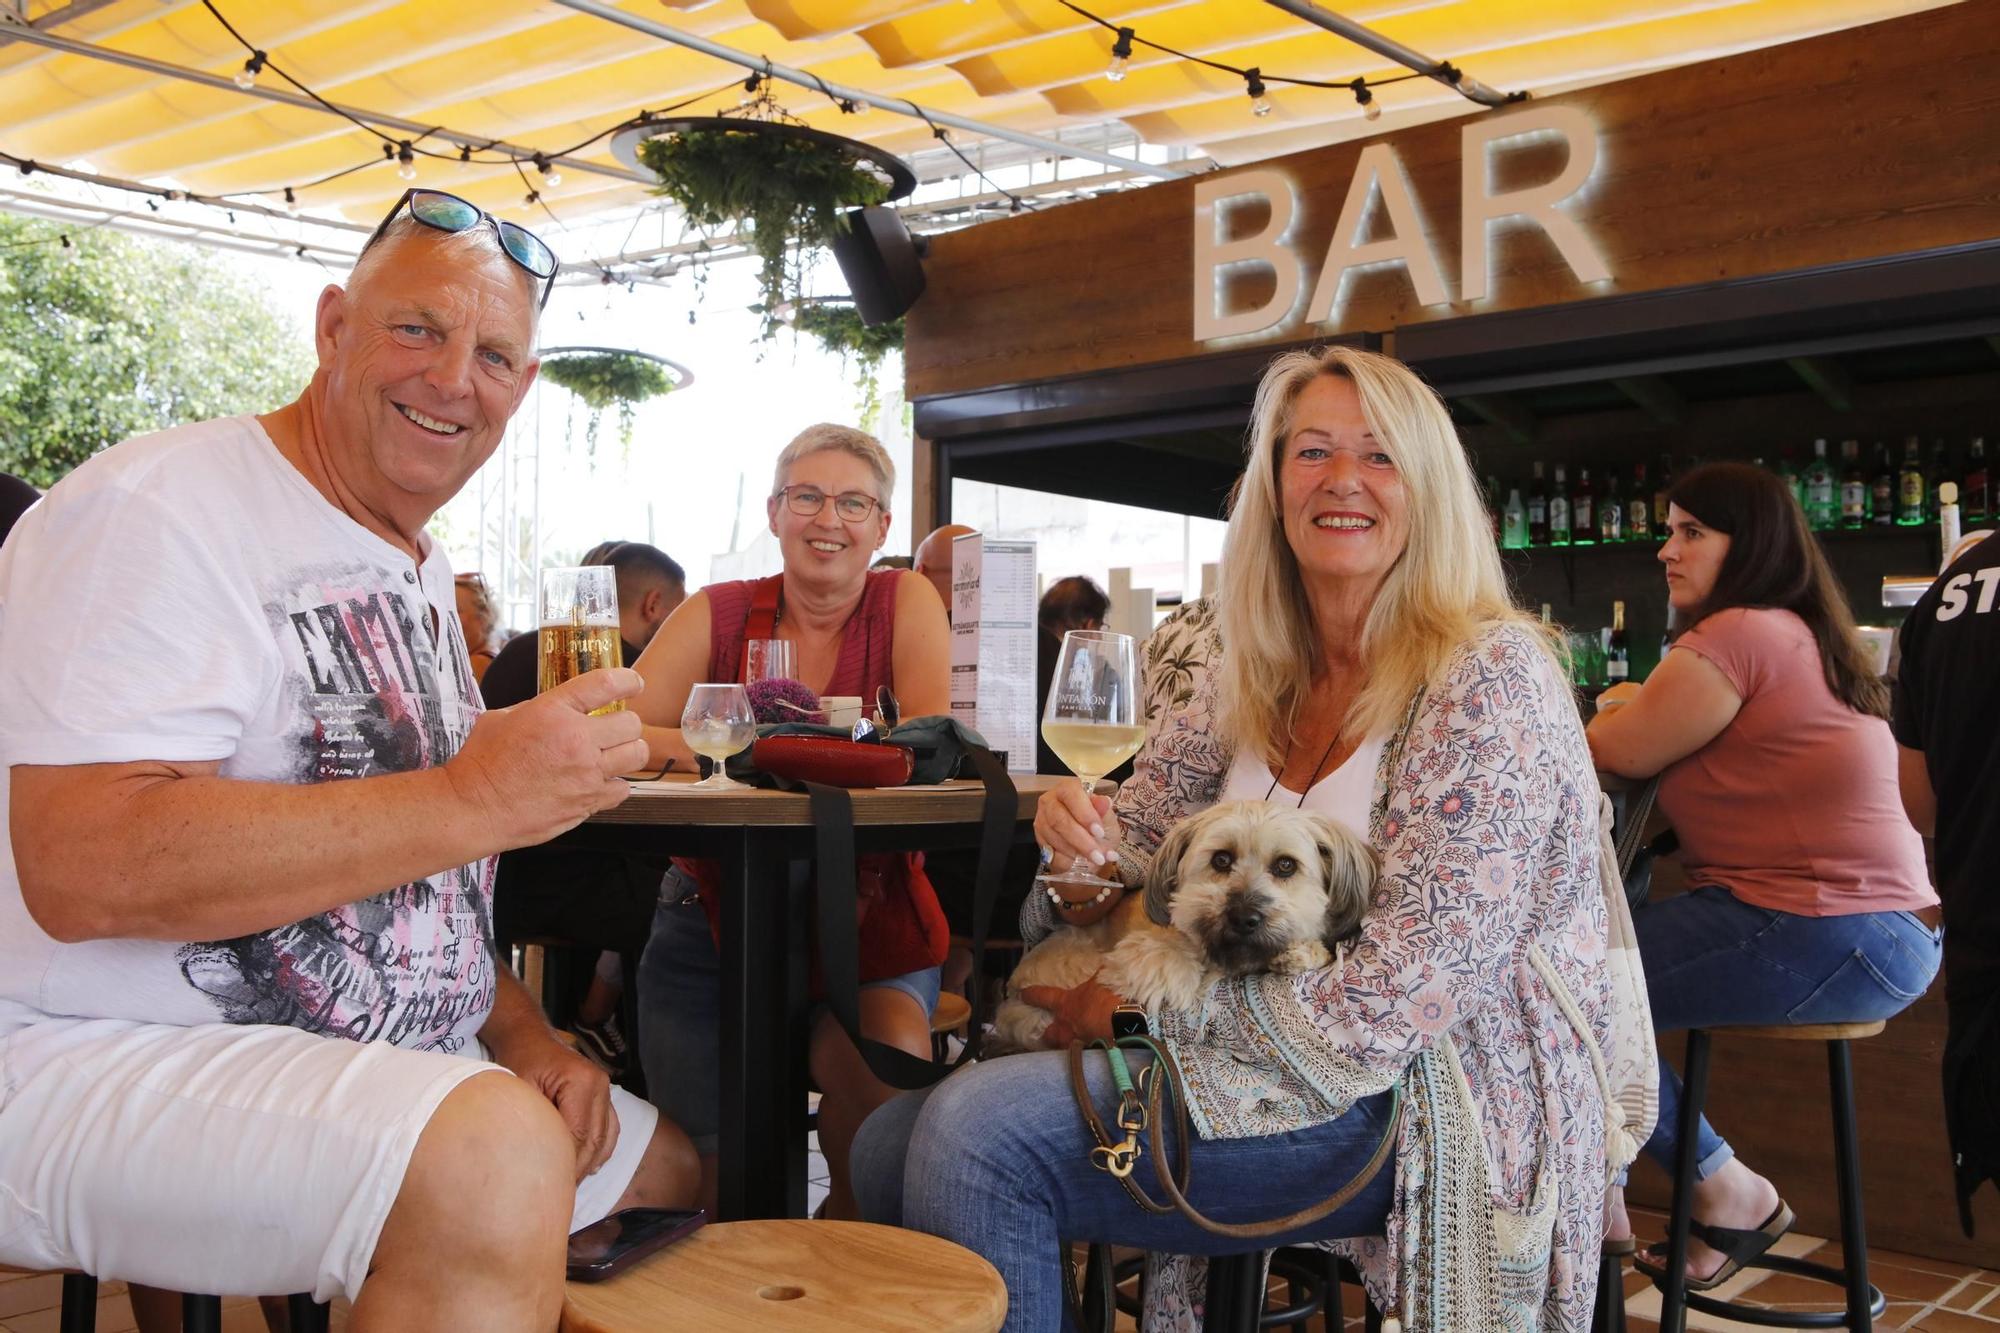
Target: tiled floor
x: 1923, y: 1294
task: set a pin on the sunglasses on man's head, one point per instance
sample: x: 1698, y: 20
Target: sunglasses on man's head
x: 449, y: 213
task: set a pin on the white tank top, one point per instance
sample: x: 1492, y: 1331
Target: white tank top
x: 1346, y: 795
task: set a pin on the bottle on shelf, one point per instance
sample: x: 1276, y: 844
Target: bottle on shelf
x: 1948, y: 525
x: 1583, y: 511
x: 1936, y: 475
x: 1617, y: 653
x: 1538, y: 509
x: 1910, y: 488
x: 1882, y: 489
x: 1789, y: 472
x: 1822, y: 500
x: 1639, y: 512
x: 1660, y: 496
x: 1559, y: 526
x: 1610, y: 512
x: 1975, y: 493
x: 1853, y: 486
x: 1514, y: 521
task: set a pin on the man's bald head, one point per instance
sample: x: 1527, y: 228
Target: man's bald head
x: 933, y: 559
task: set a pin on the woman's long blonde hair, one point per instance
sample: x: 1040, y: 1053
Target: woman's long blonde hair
x: 1447, y: 584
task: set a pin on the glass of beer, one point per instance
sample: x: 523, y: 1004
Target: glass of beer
x: 579, y: 626
x: 718, y: 723
x: 1092, y: 717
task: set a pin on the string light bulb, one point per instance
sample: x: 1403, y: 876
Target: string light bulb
x: 1253, y: 84
x: 1121, y: 56
x: 750, y: 87
x: 406, y: 160
x: 69, y: 250
x: 291, y: 202
x: 551, y: 178
x: 1370, y: 108
x: 246, y: 78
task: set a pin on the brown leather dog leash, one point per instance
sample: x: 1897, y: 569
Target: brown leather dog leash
x: 1141, y: 1105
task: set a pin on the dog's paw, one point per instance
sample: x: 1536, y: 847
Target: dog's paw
x: 1308, y: 956
x: 1017, y: 1027
x: 1159, y: 969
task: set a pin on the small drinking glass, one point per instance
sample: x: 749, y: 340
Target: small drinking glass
x: 579, y: 626
x: 718, y: 723
x: 1092, y: 720
x: 769, y: 659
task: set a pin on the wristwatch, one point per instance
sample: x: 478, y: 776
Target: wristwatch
x: 1129, y: 1020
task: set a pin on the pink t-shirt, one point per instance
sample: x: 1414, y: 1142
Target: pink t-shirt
x: 1794, y: 806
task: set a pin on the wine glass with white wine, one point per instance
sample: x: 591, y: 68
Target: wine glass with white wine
x: 717, y: 722
x: 1092, y: 717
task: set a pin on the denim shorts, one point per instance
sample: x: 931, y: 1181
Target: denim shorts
x: 680, y: 1011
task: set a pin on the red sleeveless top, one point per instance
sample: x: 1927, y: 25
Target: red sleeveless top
x: 902, y: 927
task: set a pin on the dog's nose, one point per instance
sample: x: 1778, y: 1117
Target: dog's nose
x: 1245, y: 917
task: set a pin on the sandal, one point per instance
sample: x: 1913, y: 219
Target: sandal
x: 1738, y: 1247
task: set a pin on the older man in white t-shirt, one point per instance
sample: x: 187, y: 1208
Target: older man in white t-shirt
x: 253, y: 1037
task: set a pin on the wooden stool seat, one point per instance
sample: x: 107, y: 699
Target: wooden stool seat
x: 953, y: 1012
x: 1808, y: 1031
x: 749, y: 1277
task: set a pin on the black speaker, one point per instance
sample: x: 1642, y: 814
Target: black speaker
x: 883, y: 263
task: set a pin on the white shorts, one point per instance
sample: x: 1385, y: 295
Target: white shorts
x: 224, y: 1159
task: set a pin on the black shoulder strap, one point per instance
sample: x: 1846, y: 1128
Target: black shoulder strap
x: 840, y: 937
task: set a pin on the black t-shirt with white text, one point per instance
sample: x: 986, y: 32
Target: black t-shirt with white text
x: 1947, y: 697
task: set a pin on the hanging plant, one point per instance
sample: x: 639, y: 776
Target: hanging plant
x: 605, y: 379
x: 784, y: 184
x: 838, y: 329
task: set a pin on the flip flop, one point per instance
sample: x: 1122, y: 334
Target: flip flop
x: 1737, y: 1246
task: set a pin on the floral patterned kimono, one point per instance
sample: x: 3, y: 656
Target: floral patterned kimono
x: 1479, y: 985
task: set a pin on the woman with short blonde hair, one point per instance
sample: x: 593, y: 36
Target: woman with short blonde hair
x: 1362, y: 662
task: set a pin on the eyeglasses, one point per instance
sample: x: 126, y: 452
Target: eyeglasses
x: 805, y: 501
x: 449, y: 213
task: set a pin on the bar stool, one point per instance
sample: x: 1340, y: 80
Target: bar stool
x: 199, y: 1314
x: 1864, y: 1301
x: 806, y: 1277
x: 950, y: 1017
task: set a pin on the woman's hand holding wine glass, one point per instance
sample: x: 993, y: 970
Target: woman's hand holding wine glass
x: 1092, y: 724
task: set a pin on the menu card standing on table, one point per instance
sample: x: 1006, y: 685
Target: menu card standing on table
x: 993, y: 643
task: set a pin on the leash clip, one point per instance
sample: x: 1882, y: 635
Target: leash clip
x: 1119, y: 1160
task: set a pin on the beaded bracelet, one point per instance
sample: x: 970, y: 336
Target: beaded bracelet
x: 1065, y: 905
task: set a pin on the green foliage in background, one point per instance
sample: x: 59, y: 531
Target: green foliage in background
x: 120, y: 336
x: 785, y: 189
x: 838, y: 329
x: 608, y: 379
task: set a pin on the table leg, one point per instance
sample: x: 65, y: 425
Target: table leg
x: 761, y: 1148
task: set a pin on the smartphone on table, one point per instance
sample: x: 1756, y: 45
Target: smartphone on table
x: 612, y: 1244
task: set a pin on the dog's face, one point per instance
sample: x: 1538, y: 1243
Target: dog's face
x: 1249, y: 880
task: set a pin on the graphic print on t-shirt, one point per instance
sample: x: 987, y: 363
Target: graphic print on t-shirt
x: 412, y: 965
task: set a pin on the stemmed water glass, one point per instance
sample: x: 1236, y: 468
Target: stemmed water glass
x: 1092, y: 717
x: 717, y: 722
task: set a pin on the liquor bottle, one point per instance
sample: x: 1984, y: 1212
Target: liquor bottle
x: 1583, y: 511
x: 1538, y: 509
x: 1559, y: 530
x: 1660, y: 532
x: 1822, y: 501
x: 1910, y: 487
x: 1617, y: 654
x: 1789, y: 472
x: 1610, y: 512
x: 1639, y: 511
x: 1882, y: 489
x: 1975, y: 496
x: 1853, y: 486
x: 1939, y: 472
x: 1514, y: 521
x: 1949, y: 530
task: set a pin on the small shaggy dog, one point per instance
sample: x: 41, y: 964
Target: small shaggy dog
x: 1245, y: 887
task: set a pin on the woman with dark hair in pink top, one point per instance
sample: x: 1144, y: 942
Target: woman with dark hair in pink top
x: 1808, y: 899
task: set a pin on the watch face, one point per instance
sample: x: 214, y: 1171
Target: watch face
x: 1128, y: 1022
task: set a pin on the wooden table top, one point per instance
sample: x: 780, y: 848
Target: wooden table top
x: 800, y: 1276
x: 671, y: 800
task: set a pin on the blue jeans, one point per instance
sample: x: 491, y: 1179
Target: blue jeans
x: 996, y: 1158
x: 680, y: 1012
x: 1713, y: 959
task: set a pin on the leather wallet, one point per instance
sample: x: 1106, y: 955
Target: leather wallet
x: 836, y: 763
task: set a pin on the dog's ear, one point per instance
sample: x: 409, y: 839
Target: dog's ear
x: 1165, y: 875
x: 1349, y: 867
